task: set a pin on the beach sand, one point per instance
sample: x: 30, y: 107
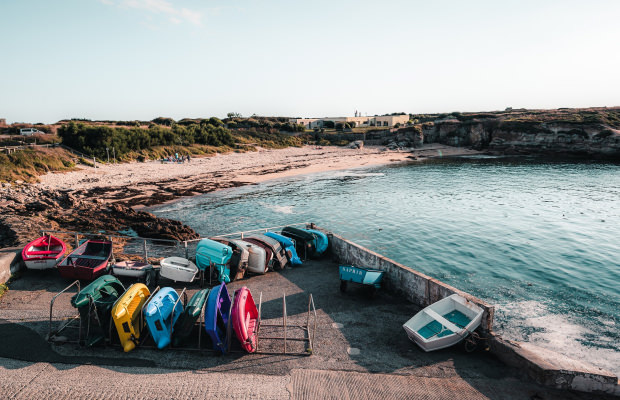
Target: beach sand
x: 154, y: 182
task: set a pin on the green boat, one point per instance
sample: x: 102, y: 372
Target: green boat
x: 185, y: 324
x: 104, y: 291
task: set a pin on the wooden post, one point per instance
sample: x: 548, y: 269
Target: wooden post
x: 77, y: 242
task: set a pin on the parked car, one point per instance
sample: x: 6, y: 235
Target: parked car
x: 29, y: 131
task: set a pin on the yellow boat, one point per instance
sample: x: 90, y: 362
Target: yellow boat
x: 126, y: 314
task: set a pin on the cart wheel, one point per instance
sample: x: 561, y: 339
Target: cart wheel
x: 470, y: 344
x: 343, y: 286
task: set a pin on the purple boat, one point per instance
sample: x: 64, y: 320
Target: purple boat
x: 217, y: 314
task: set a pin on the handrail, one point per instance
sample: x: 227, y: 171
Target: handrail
x: 242, y: 233
x: 77, y: 283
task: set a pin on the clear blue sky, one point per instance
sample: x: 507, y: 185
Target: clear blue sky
x: 140, y: 59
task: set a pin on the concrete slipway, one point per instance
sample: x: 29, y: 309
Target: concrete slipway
x: 360, y: 349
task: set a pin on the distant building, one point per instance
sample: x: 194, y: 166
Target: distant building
x: 386, y: 121
x: 3, y: 122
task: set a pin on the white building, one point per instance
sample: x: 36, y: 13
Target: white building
x: 386, y: 121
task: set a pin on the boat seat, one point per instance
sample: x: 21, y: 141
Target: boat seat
x: 442, y: 320
x: 42, y: 252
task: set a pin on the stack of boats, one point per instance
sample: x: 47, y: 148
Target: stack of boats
x: 229, y: 259
x: 138, y: 312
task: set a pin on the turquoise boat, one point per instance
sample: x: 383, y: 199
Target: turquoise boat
x: 161, y: 314
x: 103, y: 292
x: 289, y: 247
x: 322, y: 242
x: 209, y: 252
x: 217, y: 314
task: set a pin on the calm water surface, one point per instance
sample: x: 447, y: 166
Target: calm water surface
x: 539, y: 240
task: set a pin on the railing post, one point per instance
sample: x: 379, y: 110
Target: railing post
x: 186, y: 249
x: 146, y: 254
x: 77, y: 242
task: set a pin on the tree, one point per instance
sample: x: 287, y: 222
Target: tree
x: 234, y: 115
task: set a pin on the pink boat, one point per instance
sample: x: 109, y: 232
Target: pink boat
x: 245, y: 319
x: 43, y: 253
x: 87, y: 262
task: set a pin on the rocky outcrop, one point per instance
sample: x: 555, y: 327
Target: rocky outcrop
x: 527, y: 137
x: 26, y: 209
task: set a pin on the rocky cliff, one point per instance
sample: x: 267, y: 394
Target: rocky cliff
x: 582, y: 132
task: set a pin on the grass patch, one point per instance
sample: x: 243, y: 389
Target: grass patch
x: 3, y: 289
x: 28, y: 164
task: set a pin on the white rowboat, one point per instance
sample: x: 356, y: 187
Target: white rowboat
x: 444, y: 323
x: 178, y: 269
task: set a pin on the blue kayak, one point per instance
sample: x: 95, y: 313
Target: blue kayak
x: 211, y: 252
x: 289, y: 247
x: 160, y: 317
x: 321, y: 241
x: 217, y: 313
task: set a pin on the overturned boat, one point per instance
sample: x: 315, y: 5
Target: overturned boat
x: 161, y: 313
x: 178, y: 269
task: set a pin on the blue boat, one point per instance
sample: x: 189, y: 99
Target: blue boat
x: 362, y: 275
x: 209, y: 252
x: 289, y: 247
x: 321, y: 242
x: 160, y: 316
x: 217, y: 314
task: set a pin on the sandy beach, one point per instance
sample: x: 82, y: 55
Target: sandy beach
x: 152, y: 182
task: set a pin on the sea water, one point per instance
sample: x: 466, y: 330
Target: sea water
x: 540, y: 240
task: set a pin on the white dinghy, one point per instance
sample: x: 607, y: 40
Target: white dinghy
x: 178, y: 269
x: 444, y: 323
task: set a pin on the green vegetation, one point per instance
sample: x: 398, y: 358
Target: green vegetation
x: 3, y: 289
x: 27, y: 165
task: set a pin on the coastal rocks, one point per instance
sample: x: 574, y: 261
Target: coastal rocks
x: 453, y: 132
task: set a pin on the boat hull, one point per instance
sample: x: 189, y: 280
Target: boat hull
x: 279, y: 256
x: 217, y: 314
x: 127, y: 315
x: 289, y: 247
x: 131, y: 269
x: 186, y: 322
x: 239, y: 259
x: 244, y: 319
x: 178, y: 269
x: 43, y: 252
x: 211, y: 253
x: 161, y: 313
x: 257, y: 257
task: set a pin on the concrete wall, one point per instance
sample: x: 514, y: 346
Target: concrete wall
x: 413, y: 285
x: 10, y: 262
x: 544, y: 366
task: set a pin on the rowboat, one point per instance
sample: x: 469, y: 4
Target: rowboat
x: 178, y: 269
x: 185, y: 324
x: 162, y: 311
x: 239, y: 259
x: 266, y: 248
x: 44, y: 252
x: 211, y: 253
x: 88, y: 261
x: 136, y: 270
x: 289, y: 247
x: 99, y: 296
x: 279, y: 256
x: 305, y: 242
x: 444, y: 323
x: 217, y: 313
x: 127, y: 315
x: 257, y: 257
x: 362, y: 275
x: 245, y: 320
x: 321, y: 242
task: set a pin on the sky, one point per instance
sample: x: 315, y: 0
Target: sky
x: 142, y: 59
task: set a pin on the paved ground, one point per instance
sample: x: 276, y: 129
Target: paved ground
x: 360, y: 351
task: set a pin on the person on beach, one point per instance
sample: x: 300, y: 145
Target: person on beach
x: 188, y: 158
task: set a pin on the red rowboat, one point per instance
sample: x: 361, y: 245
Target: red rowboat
x: 87, y: 262
x: 245, y: 319
x: 44, y: 252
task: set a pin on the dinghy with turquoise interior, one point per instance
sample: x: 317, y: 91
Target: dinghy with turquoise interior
x: 444, y: 323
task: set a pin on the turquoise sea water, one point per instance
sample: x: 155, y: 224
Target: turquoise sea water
x: 541, y: 240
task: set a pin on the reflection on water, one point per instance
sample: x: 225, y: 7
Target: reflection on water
x: 540, y: 240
